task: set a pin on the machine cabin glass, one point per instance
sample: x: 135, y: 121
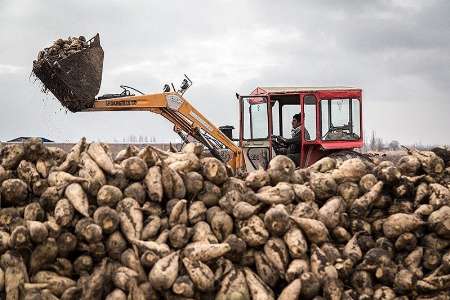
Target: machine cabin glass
x: 255, y: 119
x: 340, y: 119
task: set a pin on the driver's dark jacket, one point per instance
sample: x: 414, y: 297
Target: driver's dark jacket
x: 294, y: 142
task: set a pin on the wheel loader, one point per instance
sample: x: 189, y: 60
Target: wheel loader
x: 331, y: 116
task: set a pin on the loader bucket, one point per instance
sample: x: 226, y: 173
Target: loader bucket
x: 74, y: 80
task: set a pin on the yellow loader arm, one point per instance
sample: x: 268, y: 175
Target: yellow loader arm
x: 184, y: 116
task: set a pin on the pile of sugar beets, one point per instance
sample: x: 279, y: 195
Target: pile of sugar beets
x: 151, y: 224
x: 61, y: 48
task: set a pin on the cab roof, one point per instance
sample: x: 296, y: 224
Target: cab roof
x: 264, y: 90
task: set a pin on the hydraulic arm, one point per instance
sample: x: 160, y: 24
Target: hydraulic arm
x: 186, y: 119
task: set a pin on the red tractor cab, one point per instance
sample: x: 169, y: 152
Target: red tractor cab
x: 331, y: 121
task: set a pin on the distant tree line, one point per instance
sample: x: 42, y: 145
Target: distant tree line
x: 375, y: 143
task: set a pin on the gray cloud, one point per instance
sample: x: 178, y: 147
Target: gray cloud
x: 398, y: 51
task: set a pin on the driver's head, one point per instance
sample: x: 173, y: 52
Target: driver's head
x: 296, y: 120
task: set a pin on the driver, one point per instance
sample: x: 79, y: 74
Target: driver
x: 292, y: 149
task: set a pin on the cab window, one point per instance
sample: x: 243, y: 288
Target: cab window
x: 255, y: 119
x: 288, y: 113
x: 340, y: 119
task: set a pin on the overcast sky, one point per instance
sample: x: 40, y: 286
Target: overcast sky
x: 397, y: 51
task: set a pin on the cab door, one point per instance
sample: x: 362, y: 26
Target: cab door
x: 254, y: 131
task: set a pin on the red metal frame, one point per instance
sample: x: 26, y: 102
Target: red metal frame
x: 302, y: 128
x: 269, y: 111
x: 311, y: 151
x: 241, y: 122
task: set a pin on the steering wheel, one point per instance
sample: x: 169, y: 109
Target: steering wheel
x: 278, y: 142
